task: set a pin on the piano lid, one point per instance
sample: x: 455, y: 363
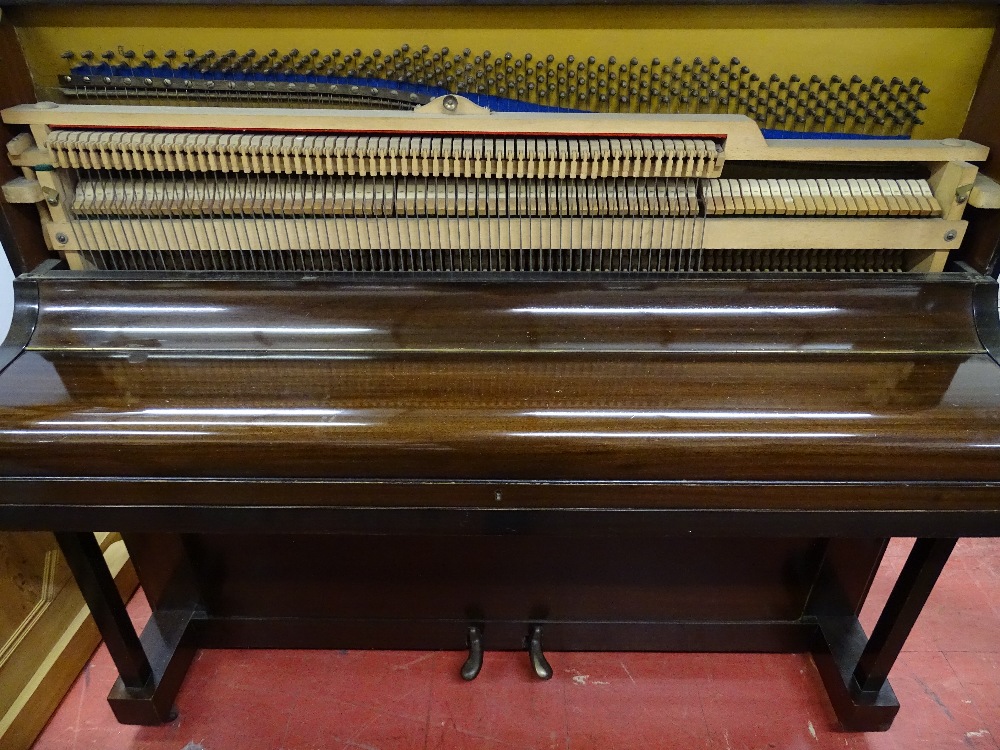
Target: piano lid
x: 880, y: 379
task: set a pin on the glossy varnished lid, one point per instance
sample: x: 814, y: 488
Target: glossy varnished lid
x: 881, y: 379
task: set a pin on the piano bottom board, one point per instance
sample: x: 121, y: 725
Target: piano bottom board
x: 417, y: 592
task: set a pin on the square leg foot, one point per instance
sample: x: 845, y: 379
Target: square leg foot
x: 839, y: 643
x: 169, y: 657
x: 134, y: 707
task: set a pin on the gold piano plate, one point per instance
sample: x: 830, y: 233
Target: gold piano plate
x: 944, y: 49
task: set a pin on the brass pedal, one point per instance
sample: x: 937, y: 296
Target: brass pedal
x: 474, y: 664
x: 539, y: 663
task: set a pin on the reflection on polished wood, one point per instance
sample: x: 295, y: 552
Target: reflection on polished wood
x: 725, y: 380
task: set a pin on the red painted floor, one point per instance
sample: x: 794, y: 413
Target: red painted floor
x: 946, y: 681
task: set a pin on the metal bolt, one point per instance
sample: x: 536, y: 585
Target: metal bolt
x: 450, y: 103
x: 127, y: 81
x: 961, y: 198
x: 950, y: 235
x: 52, y: 200
x: 498, y: 496
x: 148, y: 81
x: 61, y: 238
x: 167, y: 82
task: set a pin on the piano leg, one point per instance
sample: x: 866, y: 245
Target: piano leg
x: 151, y: 667
x: 855, y: 668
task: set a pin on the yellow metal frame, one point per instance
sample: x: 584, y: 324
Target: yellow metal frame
x: 945, y: 47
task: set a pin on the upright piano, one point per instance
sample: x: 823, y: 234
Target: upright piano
x: 502, y: 327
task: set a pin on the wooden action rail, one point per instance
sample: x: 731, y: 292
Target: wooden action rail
x: 452, y: 176
x: 434, y: 156
x: 819, y: 197
x: 743, y: 140
x: 520, y: 197
x: 516, y: 233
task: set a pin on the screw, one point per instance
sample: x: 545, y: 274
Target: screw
x: 950, y: 235
x: 961, y: 198
x: 498, y: 496
x: 61, y: 238
x: 53, y: 201
x: 450, y: 103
